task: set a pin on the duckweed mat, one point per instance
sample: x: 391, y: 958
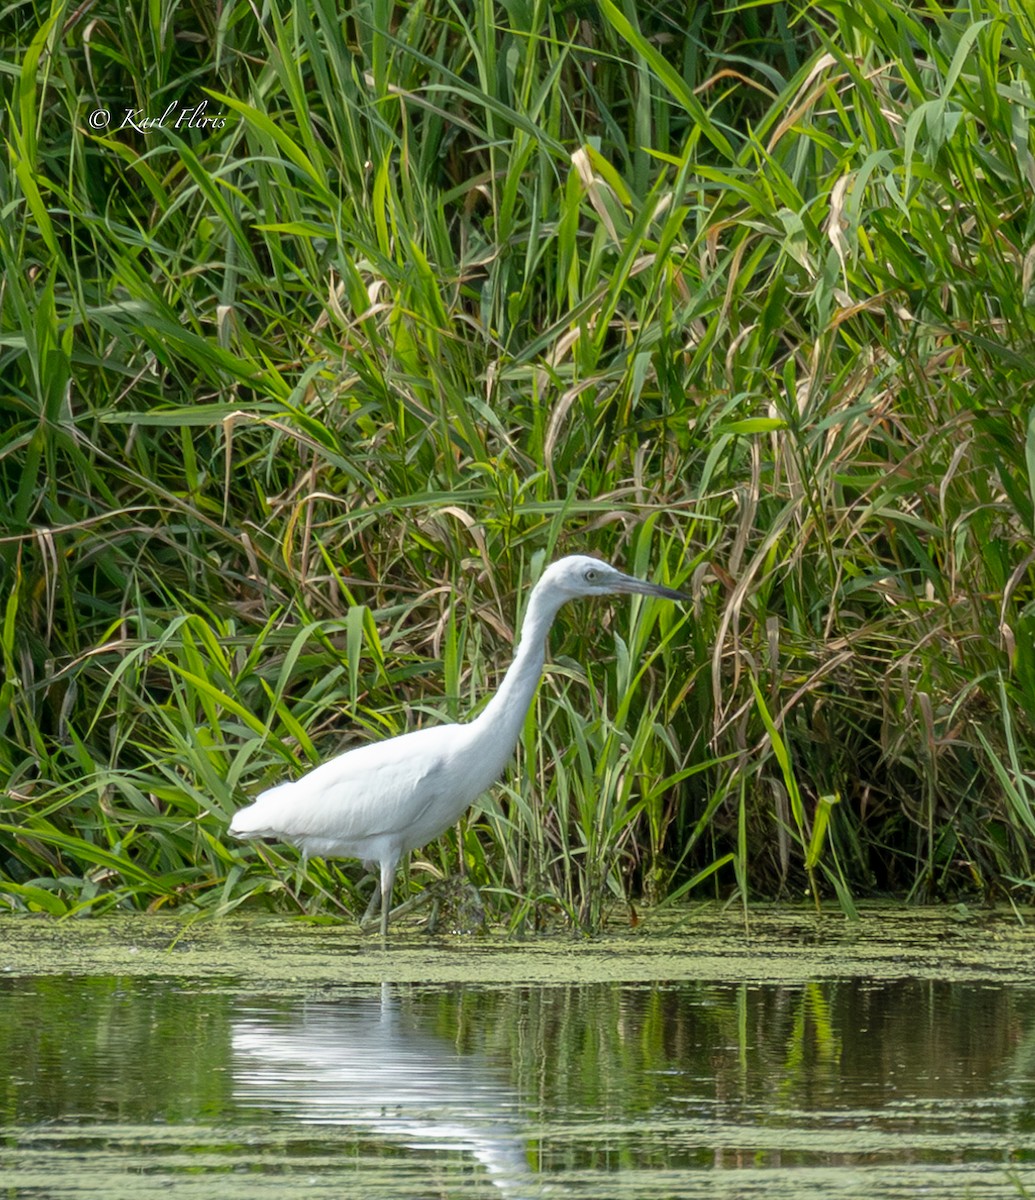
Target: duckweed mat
x: 773, y: 945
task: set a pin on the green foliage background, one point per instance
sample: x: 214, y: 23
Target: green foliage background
x: 301, y: 390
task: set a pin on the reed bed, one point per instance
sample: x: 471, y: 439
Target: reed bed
x: 302, y: 389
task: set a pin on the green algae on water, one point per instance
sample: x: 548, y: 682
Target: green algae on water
x: 778, y: 945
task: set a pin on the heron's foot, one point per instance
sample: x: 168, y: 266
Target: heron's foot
x: 456, y: 907
x: 372, y: 917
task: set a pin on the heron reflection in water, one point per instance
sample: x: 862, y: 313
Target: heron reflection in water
x: 362, y: 1063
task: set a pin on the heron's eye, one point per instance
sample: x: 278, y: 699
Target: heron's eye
x: 591, y: 576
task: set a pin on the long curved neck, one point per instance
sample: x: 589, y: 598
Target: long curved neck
x: 499, y: 723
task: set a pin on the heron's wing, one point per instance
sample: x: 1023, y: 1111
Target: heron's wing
x: 380, y: 790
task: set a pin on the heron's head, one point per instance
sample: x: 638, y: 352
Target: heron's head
x: 579, y: 575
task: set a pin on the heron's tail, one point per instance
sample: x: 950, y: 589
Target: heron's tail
x: 260, y: 819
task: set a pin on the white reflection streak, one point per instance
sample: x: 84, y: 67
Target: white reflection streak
x: 356, y: 1062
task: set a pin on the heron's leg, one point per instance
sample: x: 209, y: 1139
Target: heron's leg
x: 388, y: 866
x: 375, y: 900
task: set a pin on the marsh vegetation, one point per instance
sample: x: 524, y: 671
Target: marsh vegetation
x: 301, y: 391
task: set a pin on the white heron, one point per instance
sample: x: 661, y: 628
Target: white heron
x: 379, y: 801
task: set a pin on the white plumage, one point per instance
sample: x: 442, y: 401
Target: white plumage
x: 382, y: 800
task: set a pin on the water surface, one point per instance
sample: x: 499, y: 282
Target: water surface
x: 120, y: 1086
